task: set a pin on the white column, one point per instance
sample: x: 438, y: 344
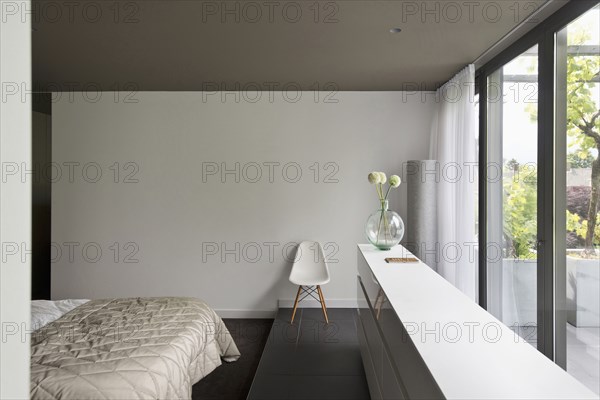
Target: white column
x: 15, y: 196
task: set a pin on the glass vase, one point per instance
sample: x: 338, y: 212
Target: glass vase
x: 384, y: 228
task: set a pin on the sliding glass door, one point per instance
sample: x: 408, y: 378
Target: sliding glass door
x: 540, y: 172
x: 512, y: 153
x: 577, y: 194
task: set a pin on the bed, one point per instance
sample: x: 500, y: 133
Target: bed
x: 138, y: 348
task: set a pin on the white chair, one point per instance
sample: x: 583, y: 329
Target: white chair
x: 309, y: 272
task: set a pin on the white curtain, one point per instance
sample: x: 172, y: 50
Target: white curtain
x: 453, y: 144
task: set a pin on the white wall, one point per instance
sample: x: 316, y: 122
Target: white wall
x: 15, y: 199
x: 173, y: 214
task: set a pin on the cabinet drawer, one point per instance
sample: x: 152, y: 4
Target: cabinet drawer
x: 365, y: 353
x: 372, y: 335
x: 371, y: 287
x: 399, y: 369
x: 390, y: 388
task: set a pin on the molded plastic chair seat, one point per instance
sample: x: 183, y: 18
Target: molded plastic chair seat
x: 302, y: 278
x: 310, y: 269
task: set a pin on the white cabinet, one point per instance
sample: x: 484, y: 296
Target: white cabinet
x: 406, y: 311
x: 381, y: 363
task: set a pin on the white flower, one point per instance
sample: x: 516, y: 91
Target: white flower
x: 382, y: 178
x: 395, y: 181
x: 373, y: 177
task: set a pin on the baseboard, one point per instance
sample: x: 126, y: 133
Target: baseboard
x: 251, y: 314
x: 310, y: 303
x: 286, y: 303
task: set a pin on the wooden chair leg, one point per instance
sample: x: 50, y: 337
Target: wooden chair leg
x: 323, y: 304
x: 296, y: 304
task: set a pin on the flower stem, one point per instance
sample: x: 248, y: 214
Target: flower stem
x: 379, y: 226
x: 388, y: 192
x: 379, y: 189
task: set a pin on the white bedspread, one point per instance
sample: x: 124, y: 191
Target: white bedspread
x: 139, y: 348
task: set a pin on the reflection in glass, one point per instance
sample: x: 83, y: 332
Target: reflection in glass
x: 578, y: 106
x: 512, y: 194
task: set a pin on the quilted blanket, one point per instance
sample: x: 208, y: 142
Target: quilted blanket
x: 139, y: 348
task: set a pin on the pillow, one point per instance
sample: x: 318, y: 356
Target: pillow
x: 45, y: 311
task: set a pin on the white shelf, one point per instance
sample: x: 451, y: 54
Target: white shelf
x: 469, y: 352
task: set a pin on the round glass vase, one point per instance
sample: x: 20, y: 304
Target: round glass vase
x: 384, y: 228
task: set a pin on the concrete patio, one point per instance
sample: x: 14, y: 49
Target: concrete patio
x: 583, y: 356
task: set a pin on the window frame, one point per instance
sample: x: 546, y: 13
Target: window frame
x: 551, y: 341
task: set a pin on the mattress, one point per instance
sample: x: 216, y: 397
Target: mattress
x: 138, y: 348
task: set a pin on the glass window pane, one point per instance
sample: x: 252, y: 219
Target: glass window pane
x: 578, y: 100
x: 512, y: 194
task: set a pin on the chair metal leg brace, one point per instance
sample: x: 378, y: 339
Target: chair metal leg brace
x: 310, y: 291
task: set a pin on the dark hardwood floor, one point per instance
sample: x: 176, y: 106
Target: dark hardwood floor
x: 308, y: 360
x: 232, y: 381
x: 311, y: 360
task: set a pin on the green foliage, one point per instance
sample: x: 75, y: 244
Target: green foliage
x: 520, y: 210
x: 579, y: 226
x: 583, y: 119
x: 583, y: 123
x: 581, y: 70
x: 580, y: 160
x: 512, y: 165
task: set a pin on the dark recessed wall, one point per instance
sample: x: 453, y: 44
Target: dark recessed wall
x: 41, y: 196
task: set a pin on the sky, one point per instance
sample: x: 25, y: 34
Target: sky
x: 520, y: 132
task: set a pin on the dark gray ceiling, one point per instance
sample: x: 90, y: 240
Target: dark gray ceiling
x: 195, y: 45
